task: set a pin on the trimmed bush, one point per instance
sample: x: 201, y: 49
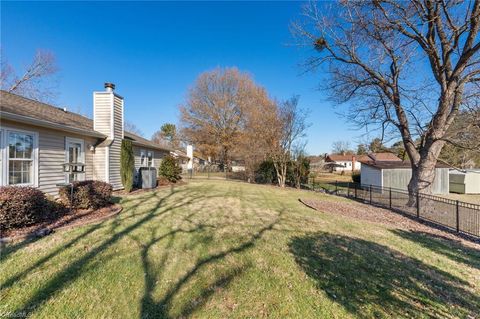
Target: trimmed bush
x: 127, y: 165
x: 170, y: 169
x: 87, y: 194
x: 24, y: 206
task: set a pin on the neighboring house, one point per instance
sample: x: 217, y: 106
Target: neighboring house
x: 352, y: 162
x: 238, y: 166
x: 342, y: 162
x: 397, y: 174
x: 37, y: 138
x: 465, y: 182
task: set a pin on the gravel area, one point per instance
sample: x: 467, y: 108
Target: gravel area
x: 383, y: 216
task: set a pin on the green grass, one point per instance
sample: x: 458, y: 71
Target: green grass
x: 216, y: 249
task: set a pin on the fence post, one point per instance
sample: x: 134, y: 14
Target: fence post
x: 370, y: 188
x: 458, y: 215
x: 336, y: 187
x: 418, y: 205
x: 390, y: 197
x: 355, y: 190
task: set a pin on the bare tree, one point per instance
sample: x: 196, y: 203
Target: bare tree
x: 214, y: 115
x: 258, y: 134
x: 341, y: 147
x: 408, y: 67
x: 132, y: 128
x: 291, y: 129
x: 37, y: 80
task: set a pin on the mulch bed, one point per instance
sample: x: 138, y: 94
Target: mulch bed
x: 146, y: 190
x: 380, y: 215
x: 78, y: 218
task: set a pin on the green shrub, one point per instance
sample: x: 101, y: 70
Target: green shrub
x: 87, y: 194
x: 24, y: 206
x: 356, y: 178
x: 265, y: 173
x: 169, y: 169
x: 127, y: 165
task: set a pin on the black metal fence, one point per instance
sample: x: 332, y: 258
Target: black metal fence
x: 458, y: 216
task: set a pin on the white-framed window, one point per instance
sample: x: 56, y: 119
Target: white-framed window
x: 143, y: 157
x: 74, y: 153
x: 19, y: 157
x: 150, y: 158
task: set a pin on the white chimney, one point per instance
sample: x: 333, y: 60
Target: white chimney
x: 190, y: 156
x: 108, y: 120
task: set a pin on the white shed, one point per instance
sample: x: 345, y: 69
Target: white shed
x: 398, y: 174
x: 465, y: 182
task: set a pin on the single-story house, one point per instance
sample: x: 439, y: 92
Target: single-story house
x: 342, y: 162
x: 352, y: 162
x: 397, y: 174
x: 37, y: 138
x: 465, y: 182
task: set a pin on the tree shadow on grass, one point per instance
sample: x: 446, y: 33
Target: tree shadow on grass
x: 162, y: 308
x: 372, y: 280
x: 74, y: 269
x: 448, y: 247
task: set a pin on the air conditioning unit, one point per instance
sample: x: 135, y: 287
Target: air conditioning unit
x: 148, y: 177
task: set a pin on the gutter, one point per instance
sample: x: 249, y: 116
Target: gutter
x: 48, y: 124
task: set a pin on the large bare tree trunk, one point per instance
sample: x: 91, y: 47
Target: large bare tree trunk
x: 423, y: 171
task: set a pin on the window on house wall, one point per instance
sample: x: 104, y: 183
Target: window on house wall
x: 150, y: 159
x: 20, y: 158
x: 143, y: 156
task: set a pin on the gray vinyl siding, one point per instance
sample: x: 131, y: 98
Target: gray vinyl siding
x: 115, y: 148
x: 370, y: 175
x: 102, y: 112
x: 99, y: 163
x: 400, y: 177
x: 51, y: 155
x: 157, y: 157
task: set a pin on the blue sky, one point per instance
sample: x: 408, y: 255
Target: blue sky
x: 153, y: 51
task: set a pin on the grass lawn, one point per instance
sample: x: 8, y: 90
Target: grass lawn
x: 469, y: 198
x: 216, y: 249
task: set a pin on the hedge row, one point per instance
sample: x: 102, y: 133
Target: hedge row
x: 24, y: 206
x: 87, y: 194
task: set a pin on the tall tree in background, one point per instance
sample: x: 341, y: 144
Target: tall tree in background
x: 362, y: 149
x: 376, y: 146
x: 36, y: 81
x: 291, y: 125
x: 341, y: 147
x: 167, y: 135
x: 463, y: 151
x: 258, y: 134
x: 406, y: 66
x: 215, y: 113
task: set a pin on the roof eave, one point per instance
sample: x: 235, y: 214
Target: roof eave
x: 138, y: 143
x: 47, y: 124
